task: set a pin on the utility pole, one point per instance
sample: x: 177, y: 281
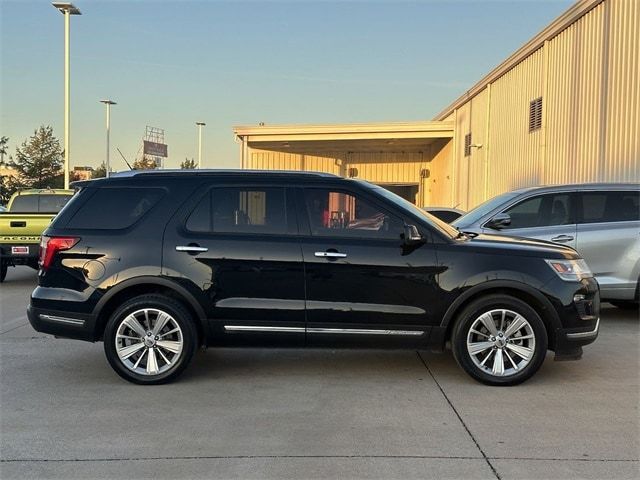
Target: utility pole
x: 67, y: 9
x: 108, y: 104
x: 200, y: 125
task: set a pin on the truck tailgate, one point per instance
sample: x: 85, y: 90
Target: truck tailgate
x: 23, y: 227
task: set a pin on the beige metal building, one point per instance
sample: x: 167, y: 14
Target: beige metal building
x: 564, y: 108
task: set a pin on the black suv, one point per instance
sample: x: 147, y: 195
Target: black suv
x: 156, y: 264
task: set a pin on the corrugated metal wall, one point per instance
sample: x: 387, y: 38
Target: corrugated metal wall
x: 589, y: 78
x: 622, y: 146
x: 271, y: 160
x: 575, y: 95
x: 376, y: 167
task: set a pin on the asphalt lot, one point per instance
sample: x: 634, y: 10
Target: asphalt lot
x: 261, y: 413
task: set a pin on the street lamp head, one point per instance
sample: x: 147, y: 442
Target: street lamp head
x: 108, y: 102
x: 201, y: 123
x: 65, y: 7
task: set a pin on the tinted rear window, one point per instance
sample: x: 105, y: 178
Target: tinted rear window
x: 115, y: 208
x: 603, y: 207
x: 241, y: 210
x: 46, y: 203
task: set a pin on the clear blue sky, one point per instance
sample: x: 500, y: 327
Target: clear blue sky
x: 171, y: 63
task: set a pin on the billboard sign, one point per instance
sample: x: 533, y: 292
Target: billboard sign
x: 155, y: 149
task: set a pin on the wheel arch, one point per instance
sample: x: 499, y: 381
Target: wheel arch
x: 521, y: 291
x: 144, y: 285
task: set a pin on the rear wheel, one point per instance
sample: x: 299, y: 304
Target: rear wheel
x: 499, y: 340
x: 150, y: 339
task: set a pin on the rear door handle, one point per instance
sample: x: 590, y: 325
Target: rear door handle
x: 191, y: 249
x: 330, y: 254
x: 562, y: 238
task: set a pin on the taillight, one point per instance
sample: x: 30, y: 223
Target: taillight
x: 49, y: 246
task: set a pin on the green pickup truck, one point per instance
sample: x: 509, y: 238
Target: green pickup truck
x: 28, y: 214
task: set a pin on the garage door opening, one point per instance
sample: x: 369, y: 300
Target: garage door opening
x: 408, y: 191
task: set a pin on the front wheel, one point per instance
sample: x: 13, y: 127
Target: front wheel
x: 499, y: 340
x: 150, y: 339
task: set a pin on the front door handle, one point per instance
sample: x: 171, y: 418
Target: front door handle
x: 330, y: 254
x: 191, y: 249
x: 562, y: 238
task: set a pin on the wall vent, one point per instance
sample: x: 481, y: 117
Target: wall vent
x: 467, y: 145
x: 535, y: 114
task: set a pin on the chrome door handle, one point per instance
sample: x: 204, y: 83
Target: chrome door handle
x: 331, y: 254
x: 191, y: 249
x: 562, y: 238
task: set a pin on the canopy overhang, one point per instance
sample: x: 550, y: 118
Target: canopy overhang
x: 365, y: 137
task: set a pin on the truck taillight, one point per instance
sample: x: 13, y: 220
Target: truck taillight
x: 49, y: 246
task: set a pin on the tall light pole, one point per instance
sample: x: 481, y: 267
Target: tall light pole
x: 200, y: 125
x: 108, y: 103
x: 67, y: 9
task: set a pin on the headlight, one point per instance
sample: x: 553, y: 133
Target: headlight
x: 570, y: 270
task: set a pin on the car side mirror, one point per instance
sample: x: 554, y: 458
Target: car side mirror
x: 411, y: 235
x: 500, y: 221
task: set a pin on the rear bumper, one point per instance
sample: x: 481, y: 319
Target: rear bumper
x: 62, y: 324
x: 30, y: 258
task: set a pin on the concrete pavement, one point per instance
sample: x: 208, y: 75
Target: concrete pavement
x: 260, y: 413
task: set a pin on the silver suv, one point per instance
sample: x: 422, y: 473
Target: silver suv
x: 601, y: 221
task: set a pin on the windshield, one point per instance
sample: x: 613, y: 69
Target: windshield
x: 481, y: 210
x: 438, y: 224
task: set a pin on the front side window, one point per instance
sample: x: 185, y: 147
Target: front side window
x: 541, y: 211
x: 240, y: 210
x: 603, y: 207
x: 336, y: 213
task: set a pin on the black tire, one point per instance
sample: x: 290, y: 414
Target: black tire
x: 476, y: 309
x: 187, y: 335
x: 3, y: 270
x: 625, y: 305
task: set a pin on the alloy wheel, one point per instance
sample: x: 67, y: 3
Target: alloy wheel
x: 501, y: 342
x: 149, y: 341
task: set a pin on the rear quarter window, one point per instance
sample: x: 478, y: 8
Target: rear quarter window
x: 115, y: 208
x: 605, y: 207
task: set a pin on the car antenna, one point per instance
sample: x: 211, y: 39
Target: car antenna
x: 125, y: 160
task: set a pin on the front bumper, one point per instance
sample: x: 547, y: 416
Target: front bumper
x: 62, y: 324
x: 580, y: 320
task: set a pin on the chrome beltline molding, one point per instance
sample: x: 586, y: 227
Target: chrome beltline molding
x: 259, y: 328
x: 348, y: 331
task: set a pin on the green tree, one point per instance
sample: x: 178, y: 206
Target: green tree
x: 39, y: 160
x: 188, y: 164
x: 145, y: 163
x: 100, y: 172
x: 8, y: 186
